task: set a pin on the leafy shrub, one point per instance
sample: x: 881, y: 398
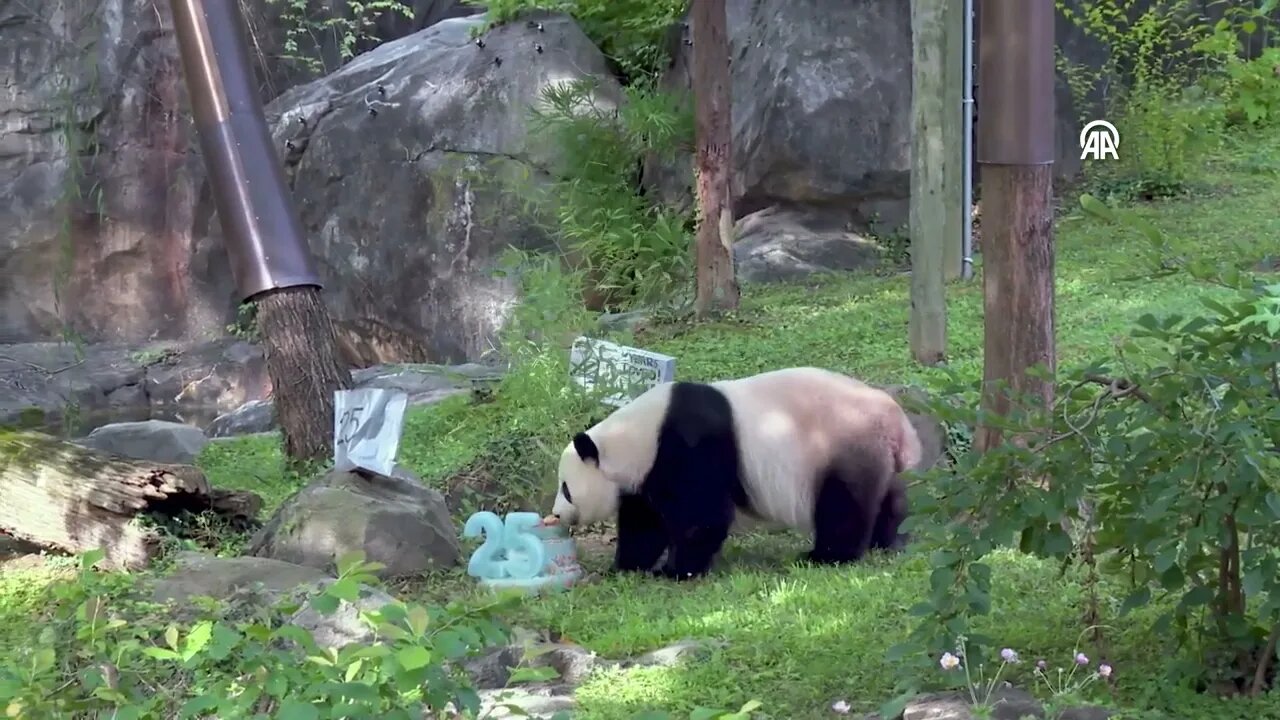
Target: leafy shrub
x: 631, y: 33
x: 1160, y: 61
x: 310, y: 24
x: 632, y: 250
x: 1159, y: 465
x: 102, y: 653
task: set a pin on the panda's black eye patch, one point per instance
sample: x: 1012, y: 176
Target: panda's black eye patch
x: 564, y: 490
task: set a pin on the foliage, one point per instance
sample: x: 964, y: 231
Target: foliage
x: 245, y: 326
x: 631, y: 249
x: 631, y: 33
x: 314, y: 25
x: 102, y: 653
x: 1179, y: 494
x: 1170, y: 82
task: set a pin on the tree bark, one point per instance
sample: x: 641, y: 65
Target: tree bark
x: 1018, y: 286
x: 934, y: 212
x: 302, y: 361
x: 61, y: 495
x: 717, y: 284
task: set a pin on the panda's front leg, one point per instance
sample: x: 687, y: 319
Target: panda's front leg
x: 693, y: 549
x: 641, y: 535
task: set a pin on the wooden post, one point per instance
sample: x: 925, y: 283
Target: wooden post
x: 1016, y: 150
x: 717, y: 285
x: 935, y: 174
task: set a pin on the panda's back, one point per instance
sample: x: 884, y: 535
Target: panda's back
x: 790, y: 425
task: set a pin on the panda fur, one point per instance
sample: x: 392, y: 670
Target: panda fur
x: 805, y: 448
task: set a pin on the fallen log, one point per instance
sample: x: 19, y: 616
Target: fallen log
x: 57, y: 494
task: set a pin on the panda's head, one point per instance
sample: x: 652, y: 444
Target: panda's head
x: 585, y: 495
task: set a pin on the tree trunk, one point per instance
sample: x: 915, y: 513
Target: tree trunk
x: 934, y: 212
x: 1018, y: 286
x: 61, y: 495
x: 717, y: 285
x: 302, y: 360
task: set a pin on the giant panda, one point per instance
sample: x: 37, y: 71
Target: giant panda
x: 805, y: 448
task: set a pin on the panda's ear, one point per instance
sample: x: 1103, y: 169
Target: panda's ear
x: 586, y: 448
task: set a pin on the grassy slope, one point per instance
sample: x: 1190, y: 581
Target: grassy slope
x: 800, y: 639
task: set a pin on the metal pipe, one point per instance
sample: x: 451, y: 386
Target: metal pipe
x: 966, y: 104
x: 260, y: 226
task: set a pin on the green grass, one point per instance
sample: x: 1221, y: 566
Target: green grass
x: 801, y: 639
x: 796, y: 638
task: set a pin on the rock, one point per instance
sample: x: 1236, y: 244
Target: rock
x: 103, y: 228
x: 541, y: 703
x: 396, y: 521
x: 408, y: 209
x: 343, y: 626
x: 774, y: 244
x: 425, y: 384
x: 1007, y: 703
x: 55, y: 380
x: 253, y: 583
x: 198, y: 575
x: 821, y: 107
x: 158, y: 440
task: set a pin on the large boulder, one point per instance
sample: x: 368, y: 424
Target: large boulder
x: 403, y: 164
x: 395, y: 520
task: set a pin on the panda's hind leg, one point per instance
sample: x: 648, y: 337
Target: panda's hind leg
x: 846, y: 510
x: 893, y: 510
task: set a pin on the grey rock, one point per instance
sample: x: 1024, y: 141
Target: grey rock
x: 155, y: 440
x: 396, y: 521
x: 775, y: 244
x: 409, y: 209
x: 343, y: 626
x: 572, y: 663
x: 103, y: 383
x: 541, y: 703
x: 249, y: 584
x: 1007, y: 703
x: 198, y: 575
x: 425, y: 384
x: 255, y: 416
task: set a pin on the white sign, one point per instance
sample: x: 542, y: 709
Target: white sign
x: 1099, y: 139
x: 630, y: 370
x: 366, y: 429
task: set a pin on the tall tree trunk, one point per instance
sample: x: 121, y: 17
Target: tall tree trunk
x: 935, y: 207
x: 302, y: 360
x: 717, y: 285
x: 1017, y: 285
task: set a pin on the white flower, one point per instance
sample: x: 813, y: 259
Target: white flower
x: 949, y: 661
x: 841, y: 707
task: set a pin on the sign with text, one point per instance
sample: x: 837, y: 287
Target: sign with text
x: 366, y: 429
x: 628, y: 371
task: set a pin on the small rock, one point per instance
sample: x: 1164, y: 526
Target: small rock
x: 572, y: 663
x: 1006, y: 704
x: 343, y: 626
x: 255, y: 416
x: 199, y: 575
x: 674, y: 654
x: 156, y: 440
x: 396, y: 521
x: 775, y: 245
x: 541, y: 703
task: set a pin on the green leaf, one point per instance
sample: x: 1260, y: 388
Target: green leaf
x: 1273, y: 502
x: 533, y: 674
x: 1136, y: 599
x: 325, y: 604
x: 197, y: 639
x: 171, y: 636
x: 344, y: 589
x: 414, y: 657
x: 159, y: 653
x: 295, y: 710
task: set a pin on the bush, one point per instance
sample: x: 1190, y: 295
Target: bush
x: 1178, y: 491
x: 631, y: 250
x: 631, y: 33
x: 1171, y: 84
x: 103, y: 653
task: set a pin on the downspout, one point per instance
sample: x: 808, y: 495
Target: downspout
x: 966, y: 192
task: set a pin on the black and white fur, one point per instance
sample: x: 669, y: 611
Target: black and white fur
x: 805, y: 448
